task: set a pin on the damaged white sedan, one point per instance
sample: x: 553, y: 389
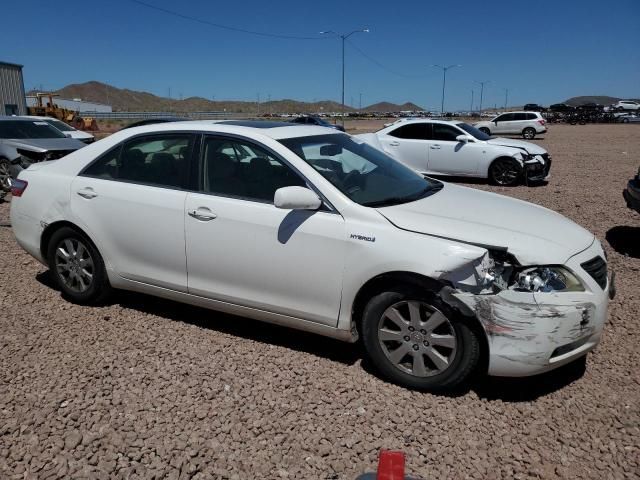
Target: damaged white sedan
x: 310, y: 228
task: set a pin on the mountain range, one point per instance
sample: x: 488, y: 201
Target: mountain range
x: 123, y: 99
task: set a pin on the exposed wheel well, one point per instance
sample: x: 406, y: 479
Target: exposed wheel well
x: 400, y: 279
x: 51, y: 229
x: 386, y: 281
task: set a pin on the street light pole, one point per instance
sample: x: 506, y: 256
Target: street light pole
x: 344, y: 37
x: 444, y: 82
x: 506, y: 98
x: 471, y: 108
x: 481, y: 93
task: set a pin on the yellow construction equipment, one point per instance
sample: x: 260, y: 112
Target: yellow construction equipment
x: 51, y: 109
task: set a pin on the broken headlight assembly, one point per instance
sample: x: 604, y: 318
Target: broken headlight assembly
x: 551, y: 278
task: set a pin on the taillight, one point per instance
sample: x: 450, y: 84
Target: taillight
x: 18, y: 187
x: 541, y: 121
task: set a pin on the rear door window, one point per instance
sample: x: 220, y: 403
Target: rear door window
x: 412, y: 131
x: 519, y: 116
x: 161, y: 160
x: 531, y: 116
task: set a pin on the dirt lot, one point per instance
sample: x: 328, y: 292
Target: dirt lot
x: 146, y: 388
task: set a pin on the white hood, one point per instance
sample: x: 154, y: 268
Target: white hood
x: 528, y: 146
x: 533, y: 234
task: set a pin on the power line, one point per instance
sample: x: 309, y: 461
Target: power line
x: 225, y: 27
x: 382, y: 66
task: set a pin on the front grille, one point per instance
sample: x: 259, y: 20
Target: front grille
x: 597, y: 268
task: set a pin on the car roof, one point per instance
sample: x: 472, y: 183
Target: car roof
x: 404, y: 121
x: 275, y: 130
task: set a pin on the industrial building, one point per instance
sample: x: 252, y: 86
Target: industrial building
x: 76, y: 105
x: 12, y: 97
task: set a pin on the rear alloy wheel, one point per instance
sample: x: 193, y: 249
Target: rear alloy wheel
x: 505, y: 172
x: 77, y: 267
x: 485, y: 130
x: 5, y: 175
x: 418, y: 343
x: 529, y: 133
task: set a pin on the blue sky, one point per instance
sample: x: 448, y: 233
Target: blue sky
x: 543, y: 51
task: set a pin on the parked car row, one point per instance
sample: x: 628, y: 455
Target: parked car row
x: 433, y: 277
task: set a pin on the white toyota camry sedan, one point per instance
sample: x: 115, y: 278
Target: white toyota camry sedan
x: 441, y: 147
x: 311, y: 228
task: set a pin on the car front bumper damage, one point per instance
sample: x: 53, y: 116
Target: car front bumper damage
x: 529, y: 333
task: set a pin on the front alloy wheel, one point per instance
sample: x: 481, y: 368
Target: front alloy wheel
x: 417, y: 338
x: 504, y: 172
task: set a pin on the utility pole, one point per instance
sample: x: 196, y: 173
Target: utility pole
x: 444, y: 82
x: 482, y: 84
x: 360, y: 107
x: 344, y: 37
x: 506, y: 98
x: 471, y: 108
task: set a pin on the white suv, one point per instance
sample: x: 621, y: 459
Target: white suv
x: 527, y: 124
x: 627, y: 105
x: 311, y: 228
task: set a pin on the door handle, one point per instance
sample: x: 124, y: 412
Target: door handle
x: 435, y: 147
x: 87, y: 193
x: 202, y: 213
x: 394, y: 144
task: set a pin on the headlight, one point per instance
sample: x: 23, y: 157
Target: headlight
x: 548, y: 279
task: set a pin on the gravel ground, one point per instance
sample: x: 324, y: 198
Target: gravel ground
x: 146, y: 388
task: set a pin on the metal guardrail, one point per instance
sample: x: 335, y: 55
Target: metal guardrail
x: 144, y: 115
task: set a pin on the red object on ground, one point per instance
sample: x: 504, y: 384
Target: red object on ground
x: 390, y: 465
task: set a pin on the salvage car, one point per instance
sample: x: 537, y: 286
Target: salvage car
x: 527, y: 124
x: 440, y: 147
x: 317, y: 230
x: 24, y: 141
x: 65, y: 128
x: 632, y: 193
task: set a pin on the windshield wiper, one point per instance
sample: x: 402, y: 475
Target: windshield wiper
x: 410, y: 198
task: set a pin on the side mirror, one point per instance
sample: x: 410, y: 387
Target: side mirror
x: 462, y: 138
x: 296, y: 198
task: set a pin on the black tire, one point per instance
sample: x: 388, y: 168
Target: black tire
x: 529, y: 133
x: 485, y: 130
x: 625, y: 120
x: 5, y: 174
x: 463, y: 361
x: 65, y: 271
x: 505, y: 172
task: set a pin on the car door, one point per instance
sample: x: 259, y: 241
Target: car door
x: 131, y: 202
x: 408, y: 144
x: 502, y: 124
x: 243, y: 250
x: 448, y: 156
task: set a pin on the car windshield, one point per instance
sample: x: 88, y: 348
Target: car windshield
x: 364, y: 174
x: 63, y: 127
x: 28, y: 129
x: 473, y: 131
